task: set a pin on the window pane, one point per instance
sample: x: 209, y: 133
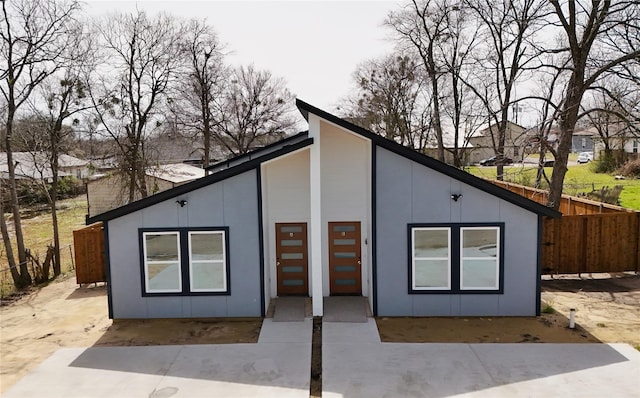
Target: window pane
x: 478, y: 242
x: 207, y: 246
x: 344, y: 242
x: 479, y: 274
x: 344, y: 228
x: 344, y: 254
x: 289, y: 229
x: 292, y: 256
x: 431, y: 242
x: 431, y: 274
x: 207, y: 276
x: 291, y: 242
x: 163, y: 277
x: 161, y: 247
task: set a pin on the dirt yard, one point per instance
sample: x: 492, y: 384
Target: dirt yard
x: 607, y: 310
x: 64, y: 315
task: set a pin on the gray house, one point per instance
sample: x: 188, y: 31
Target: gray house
x: 336, y: 210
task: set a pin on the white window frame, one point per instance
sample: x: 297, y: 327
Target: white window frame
x: 147, y: 262
x: 496, y: 259
x: 414, y: 259
x: 222, y: 262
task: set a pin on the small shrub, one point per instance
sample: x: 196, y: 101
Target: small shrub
x: 548, y: 309
x: 605, y: 164
x: 631, y: 168
x: 601, y: 325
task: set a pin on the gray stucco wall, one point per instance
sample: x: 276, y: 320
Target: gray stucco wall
x: 408, y: 192
x: 231, y: 203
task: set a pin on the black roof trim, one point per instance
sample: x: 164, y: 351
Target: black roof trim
x: 199, y: 183
x: 430, y: 162
x: 252, y: 154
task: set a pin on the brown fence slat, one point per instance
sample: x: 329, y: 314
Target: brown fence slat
x: 88, y: 246
x: 591, y: 243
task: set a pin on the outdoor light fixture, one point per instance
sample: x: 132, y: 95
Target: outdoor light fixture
x: 456, y: 196
x: 181, y: 202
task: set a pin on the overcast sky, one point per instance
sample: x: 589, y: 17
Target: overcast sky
x: 314, y: 45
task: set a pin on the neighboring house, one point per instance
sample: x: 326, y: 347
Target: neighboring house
x: 34, y: 165
x: 336, y: 210
x: 582, y: 141
x: 624, y: 144
x: 107, y: 191
x: 483, y: 142
x: 465, y: 150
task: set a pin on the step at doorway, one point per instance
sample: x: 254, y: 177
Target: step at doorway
x: 346, y: 309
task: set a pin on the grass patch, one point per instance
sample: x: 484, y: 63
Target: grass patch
x: 38, y: 233
x: 579, y: 179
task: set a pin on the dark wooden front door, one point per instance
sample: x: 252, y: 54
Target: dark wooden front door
x: 345, y: 262
x: 292, y: 259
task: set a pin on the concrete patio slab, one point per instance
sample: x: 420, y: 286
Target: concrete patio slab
x: 238, y: 370
x: 289, y: 309
x: 479, y: 370
x: 345, y: 309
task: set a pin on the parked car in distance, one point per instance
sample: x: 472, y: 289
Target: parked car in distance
x: 492, y: 161
x: 548, y: 163
x: 585, y: 157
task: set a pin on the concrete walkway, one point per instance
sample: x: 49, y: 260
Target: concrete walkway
x: 355, y: 364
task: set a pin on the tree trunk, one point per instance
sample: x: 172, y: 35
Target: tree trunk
x: 54, y: 211
x: 24, y: 278
x: 15, y: 275
x: 568, y: 119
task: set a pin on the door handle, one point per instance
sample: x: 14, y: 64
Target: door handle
x: 277, y: 262
x: 359, y: 262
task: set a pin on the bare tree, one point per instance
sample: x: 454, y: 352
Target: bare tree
x: 255, y: 109
x: 144, y: 60
x: 421, y: 26
x: 204, y: 73
x: 35, y: 35
x: 65, y: 96
x: 391, y: 100
x: 508, y: 29
x: 600, y: 37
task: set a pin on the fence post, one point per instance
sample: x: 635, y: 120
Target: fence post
x: 73, y: 265
x: 638, y: 242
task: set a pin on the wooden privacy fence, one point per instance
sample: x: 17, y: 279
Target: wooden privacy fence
x: 590, y: 237
x: 570, y: 205
x: 88, y: 245
x: 591, y: 243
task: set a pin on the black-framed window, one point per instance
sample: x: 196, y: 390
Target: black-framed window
x: 456, y: 258
x: 184, y: 261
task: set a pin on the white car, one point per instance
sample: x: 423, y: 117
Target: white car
x: 585, y: 157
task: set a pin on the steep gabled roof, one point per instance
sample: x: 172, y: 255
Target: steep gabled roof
x: 252, y: 160
x: 430, y: 162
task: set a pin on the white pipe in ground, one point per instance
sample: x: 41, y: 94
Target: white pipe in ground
x: 572, y: 321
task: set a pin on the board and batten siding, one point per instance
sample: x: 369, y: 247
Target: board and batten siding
x: 285, y: 198
x: 408, y: 192
x: 231, y: 203
x: 345, y: 189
